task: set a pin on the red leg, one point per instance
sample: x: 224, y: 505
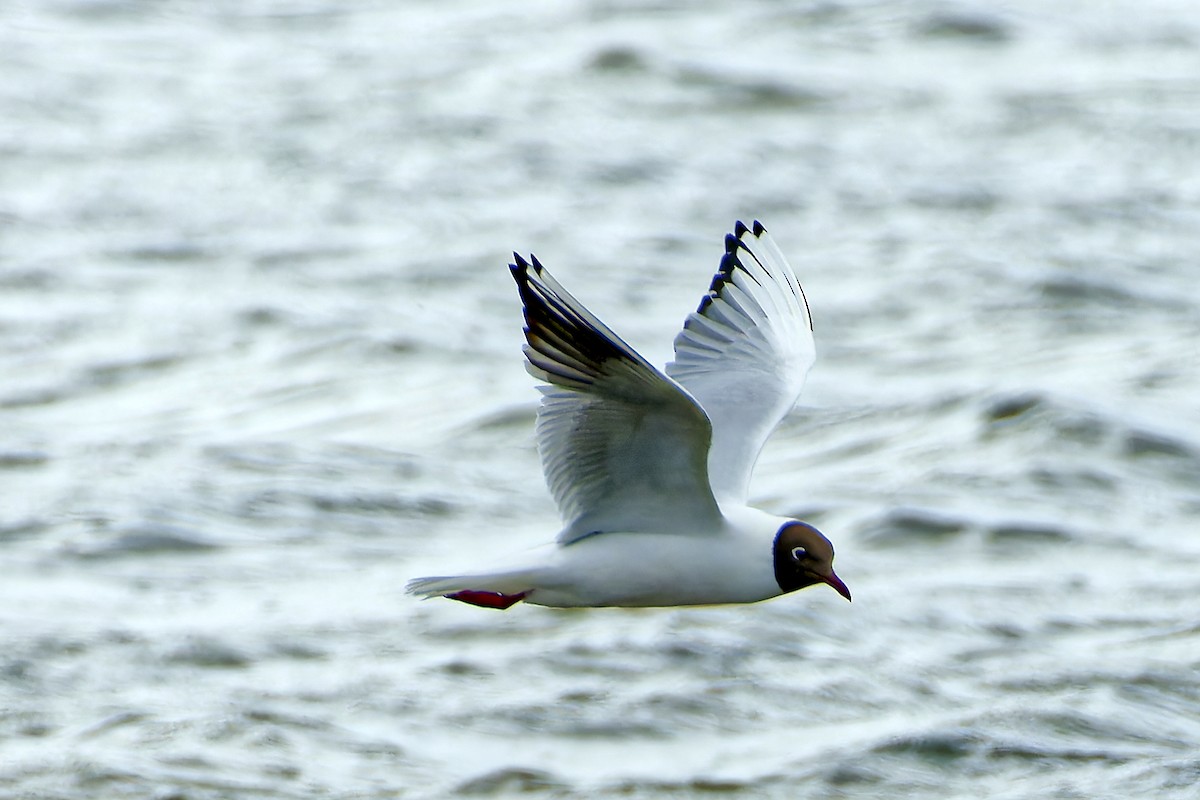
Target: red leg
x: 488, y: 599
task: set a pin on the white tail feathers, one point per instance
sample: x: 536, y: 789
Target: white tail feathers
x: 441, y: 585
x: 437, y: 586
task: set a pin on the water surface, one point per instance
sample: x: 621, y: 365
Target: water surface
x: 261, y: 364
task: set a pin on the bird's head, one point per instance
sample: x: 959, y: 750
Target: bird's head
x: 803, y: 556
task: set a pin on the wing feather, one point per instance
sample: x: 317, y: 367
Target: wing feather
x: 624, y: 447
x: 744, y: 354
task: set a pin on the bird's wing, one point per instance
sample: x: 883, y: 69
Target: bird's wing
x: 624, y: 448
x: 744, y: 354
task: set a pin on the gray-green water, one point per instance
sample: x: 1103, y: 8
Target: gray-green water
x: 259, y: 364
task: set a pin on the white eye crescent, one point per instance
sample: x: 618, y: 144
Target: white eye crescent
x: 799, y: 553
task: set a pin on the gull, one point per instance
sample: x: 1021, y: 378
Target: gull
x: 651, y: 469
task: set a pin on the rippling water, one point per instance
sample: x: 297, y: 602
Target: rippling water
x: 261, y: 364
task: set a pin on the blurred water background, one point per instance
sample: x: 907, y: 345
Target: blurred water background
x: 259, y: 364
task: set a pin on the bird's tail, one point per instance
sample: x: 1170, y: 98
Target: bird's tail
x: 496, y: 590
x: 437, y: 586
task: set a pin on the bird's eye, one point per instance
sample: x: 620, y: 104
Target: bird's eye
x: 799, y: 553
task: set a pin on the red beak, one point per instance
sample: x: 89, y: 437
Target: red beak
x: 839, y: 587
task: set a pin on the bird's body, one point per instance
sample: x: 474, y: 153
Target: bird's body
x: 640, y: 569
x: 650, y: 470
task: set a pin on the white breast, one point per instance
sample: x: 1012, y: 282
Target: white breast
x: 640, y: 569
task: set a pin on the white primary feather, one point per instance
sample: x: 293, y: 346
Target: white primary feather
x: 744, y: 355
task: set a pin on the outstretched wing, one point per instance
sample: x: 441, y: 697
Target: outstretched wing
x: 744, y: 354
x: 624, y: 448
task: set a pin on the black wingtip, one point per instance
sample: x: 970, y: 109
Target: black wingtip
x: 759, y: 230
x: 729, y: 262
x: 739, y: 228
x: 519, y: 268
